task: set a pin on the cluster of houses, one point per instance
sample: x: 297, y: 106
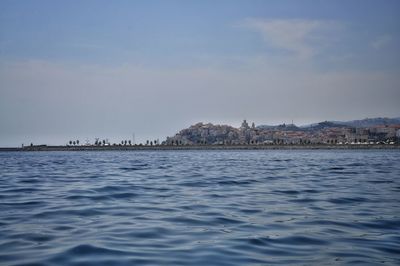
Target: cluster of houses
x: 321, y: 133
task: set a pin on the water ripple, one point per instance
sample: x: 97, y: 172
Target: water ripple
x: 200, y: 208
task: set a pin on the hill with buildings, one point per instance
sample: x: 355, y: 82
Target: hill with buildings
x: 370, y: 130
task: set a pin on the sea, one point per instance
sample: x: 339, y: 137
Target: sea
x: 261, y: 207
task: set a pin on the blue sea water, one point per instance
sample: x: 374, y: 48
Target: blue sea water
x: 266, y: 207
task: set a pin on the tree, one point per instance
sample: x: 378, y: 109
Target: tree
x: 130, y: 142
x: 147, y: 142
x: 70, y: 142
x: 74, y: 142
x: 77, y: 142
x: 151, y: 143
x: 104, y: 142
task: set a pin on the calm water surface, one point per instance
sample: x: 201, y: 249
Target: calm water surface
x: 200, y: 208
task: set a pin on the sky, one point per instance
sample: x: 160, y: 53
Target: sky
x: 110, y: 69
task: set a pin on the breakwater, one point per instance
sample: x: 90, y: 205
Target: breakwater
x: 204, y: 147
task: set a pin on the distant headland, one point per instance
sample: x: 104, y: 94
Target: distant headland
x: 360, y: 134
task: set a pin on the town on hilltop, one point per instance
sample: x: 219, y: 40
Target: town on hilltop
x: 369, y: 131
x: 320, y: 133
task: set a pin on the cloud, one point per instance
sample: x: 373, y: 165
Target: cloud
x: 381, y: 41
x: 301, y: 37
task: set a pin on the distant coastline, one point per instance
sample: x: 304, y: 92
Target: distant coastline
x: 372, y: 133
x: 202, y: 147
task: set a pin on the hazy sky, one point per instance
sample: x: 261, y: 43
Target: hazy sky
x: 85, y: 69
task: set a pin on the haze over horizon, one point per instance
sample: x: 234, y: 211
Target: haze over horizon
x: 84, y: 69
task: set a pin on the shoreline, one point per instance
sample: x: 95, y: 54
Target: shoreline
x: 204, y: 147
